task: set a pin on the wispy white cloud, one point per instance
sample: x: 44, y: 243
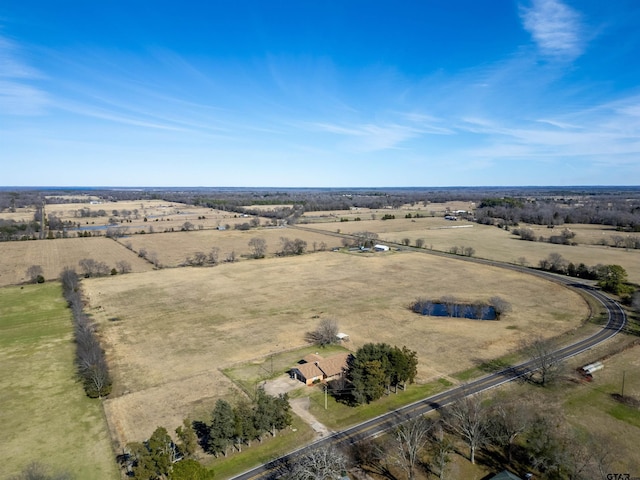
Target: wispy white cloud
x: 555, y: 27
x: 18, y: 94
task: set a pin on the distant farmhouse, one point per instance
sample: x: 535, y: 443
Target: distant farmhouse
x: 313, y: 368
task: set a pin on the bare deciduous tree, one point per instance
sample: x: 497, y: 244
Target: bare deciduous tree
x: 91, y: 267
x: 214, y: 255
x: 407, y: 443
x: 468, y: 418
x: 324, y: 463
x: 500, y: 305
x: 546, y: 364
x: 33, y: 272
x: 325, y: 334
x: 420, y: 242
x: 123, y: 266
x: 450, y: 302
x: 441, y: 447
x: 199, y: 258
x: 509, y: 419
x: 258, y: 247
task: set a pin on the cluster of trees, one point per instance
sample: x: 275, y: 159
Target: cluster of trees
x: 608, y: 208
x: 90, y: 357
x: 465, y: 251
x: 526, y: 233
x: 512, y: 431
x: 160, y: 458
x: 611, y: 278
x: 11, y: 230
x: 200, y: 259
x: 240, y: 425
x: 376, y: 367
x: 292, y: 247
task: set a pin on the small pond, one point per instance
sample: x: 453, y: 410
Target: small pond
x: 486, y: 312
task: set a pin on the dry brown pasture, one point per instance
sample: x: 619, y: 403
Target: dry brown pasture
x: 173, y: 248
x: 54, y: 255
x: 161, y: 216
x: 168, y: 333
x: 424, y: 209
x: 494, y: 243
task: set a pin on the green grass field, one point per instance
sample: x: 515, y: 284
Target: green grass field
x: 45, y: 415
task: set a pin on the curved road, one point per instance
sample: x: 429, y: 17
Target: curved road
x: 371, y: 428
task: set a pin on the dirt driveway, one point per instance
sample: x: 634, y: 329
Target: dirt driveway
x: 300, y: 406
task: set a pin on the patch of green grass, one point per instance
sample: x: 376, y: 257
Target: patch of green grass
x: 45, y: 414
x: 487, y: 367
x: 625, y: 413
x: 339, y: 416
x: 468, y: 374
x: 259, y: 453
x: 445, y: 383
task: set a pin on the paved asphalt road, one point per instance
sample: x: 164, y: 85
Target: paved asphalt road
x: 371, y: 428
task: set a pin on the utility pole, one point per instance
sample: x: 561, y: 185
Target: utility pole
x: 325, y: 396
x: 622, y: 393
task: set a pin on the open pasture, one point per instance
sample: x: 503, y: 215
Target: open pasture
x: 173, y: 248
x: 423, y: 209
x: 161, y: 216
x: 54, y: 255
x: 495, y: 243
x: 45, y: 415
x: 168, y: 332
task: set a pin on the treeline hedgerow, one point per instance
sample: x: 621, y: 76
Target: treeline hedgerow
x: 90, y: 357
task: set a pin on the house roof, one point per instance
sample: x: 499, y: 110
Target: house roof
x: 309, y: 370
x: 312, y: 357
x: 317, y: 366
x: 334, y: 365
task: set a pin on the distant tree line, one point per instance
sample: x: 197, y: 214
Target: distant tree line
x: 616, y: 210
x: 91, y: 361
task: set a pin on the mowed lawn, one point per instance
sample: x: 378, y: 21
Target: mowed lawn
x: 169, y: 332
x: 45, y: 415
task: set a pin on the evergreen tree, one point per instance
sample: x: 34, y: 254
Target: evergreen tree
x: 222, y: 428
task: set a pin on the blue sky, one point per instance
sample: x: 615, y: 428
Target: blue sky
x: 319, y: 93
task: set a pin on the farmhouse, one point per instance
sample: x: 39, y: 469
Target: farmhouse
x: 313, y: 368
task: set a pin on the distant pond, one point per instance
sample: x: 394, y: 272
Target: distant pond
x: 473, y: 312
